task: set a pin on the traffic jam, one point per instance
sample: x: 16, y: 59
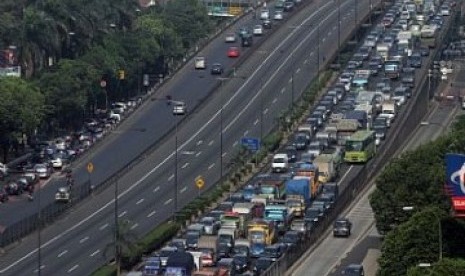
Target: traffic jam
x: 275, y: 211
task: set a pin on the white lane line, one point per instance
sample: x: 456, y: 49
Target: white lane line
x: 265, y: 111
x: 103, y: 227
x: 312, y: 53
x: 122, y: 214
x: 73, y: 268
x: 297, y: 71
x: 275, y: 100
x: 323, y: 39
x: 235, y: 143
x: 151, y: 213
x: 238, y: 93
x: 211, y: 166
x: 171, y: 177
x: 157, y: 188
x: 183, y: 190
x: 329, y: 33
x: 84, y: 239
x: 256, y: 122
x: 168, y: 201
x: 185, y: 165
x: 62, y: 253
x: 245, y: 133
x: 94, y: 253
x: 41, y: 268
x: 224, y: 154
x: 334, y: 27
x: 290, y: 80
x: 306, y: 61
x: 140, y: 201
x: 283, y: 89
x: 199, y: 142
x: 134, y: 226
x: 198, y: 153
x: 211, y: 143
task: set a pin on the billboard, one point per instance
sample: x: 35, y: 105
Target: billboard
x: 455, y: 181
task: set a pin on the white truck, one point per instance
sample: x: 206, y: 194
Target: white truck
x: 389, y: 111
x: 200, y: 63
x: 327, y: 170
x: 404, y: 39
x: 383, y: 50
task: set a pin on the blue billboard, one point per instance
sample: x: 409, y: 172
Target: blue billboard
x: 455, y: 180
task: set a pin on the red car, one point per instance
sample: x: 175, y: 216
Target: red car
x: 233, y: 52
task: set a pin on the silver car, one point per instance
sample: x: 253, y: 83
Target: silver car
x: 211, y: 226
x: 42, y: 170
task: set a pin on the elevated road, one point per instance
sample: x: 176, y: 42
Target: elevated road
x: 76, y: 244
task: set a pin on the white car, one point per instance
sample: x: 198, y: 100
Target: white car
x: 399, y: 97
x: 445, y: 11
x: 264, y: 14
x: 63, y: 195
x: 230, y: 38
x: 278, y: 15
x: 3, y: 170
x: 280, y: 163
x: 200, y: 63
x: 258, y: 30
x: 179, y: 108
x: 57, y: 162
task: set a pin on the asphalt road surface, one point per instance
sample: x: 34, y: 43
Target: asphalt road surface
x: 76, y: 244
x: 333, y: 254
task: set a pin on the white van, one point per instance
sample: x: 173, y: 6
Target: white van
x: 280, y: 163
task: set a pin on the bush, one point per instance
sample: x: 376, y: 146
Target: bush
x: 107, y: 270
x: 158, y: 236
x: 271, y: 141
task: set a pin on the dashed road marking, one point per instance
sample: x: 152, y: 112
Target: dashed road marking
x: 312, y: 53
x: 224, y: 154
x: 103, y: 227
x: 62, y: 253
x: 198, y: 153
x: 185, y: 165
x: 235, y: 143
x: 283, y: 89
x: 84, y: 239
x: 211, y: 166
x: 73, y: 268
x: 122, y: 214
x: 256, y: 122
x: 200, y: 142
x: 151, y: 213
x: 275, y: 100
x: 171, y: 177
x: 157, y: 188
x: 94, y: 253
x: 245, y: 133
x: 168, y: 201
x: 211, y: 143
x: 134, y: 226
x: 140, y: 201
x: 265, y: 111
x: 290, y: 80
x: 183, y: 190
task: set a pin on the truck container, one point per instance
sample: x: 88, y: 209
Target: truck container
x: 300, y: 188
x: 360, y: 115
x: 309, y: 171
x: 233, y: 220
x: 280, y: 215
x: 389, y: 111
x: 261, y: 231
x: 271, y: 186
x: 327, y: 170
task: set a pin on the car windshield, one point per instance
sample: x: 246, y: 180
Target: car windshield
x: 354, y: 145
x: 271, y: 250
x: 399, y: 93
x: 267, y: 190
x: 341, y: 223
x: 207, y: 222
x: 312, y: 213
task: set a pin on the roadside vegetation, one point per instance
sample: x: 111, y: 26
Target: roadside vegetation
x: 66, y: 48
x: 412, y: 238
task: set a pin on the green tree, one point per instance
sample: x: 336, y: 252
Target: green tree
x: 21, y: 110
x: 445, y: 267
x: 67, y: 90
x: 413, y: 242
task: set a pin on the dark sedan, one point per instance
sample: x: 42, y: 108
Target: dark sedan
x: 217, y: 69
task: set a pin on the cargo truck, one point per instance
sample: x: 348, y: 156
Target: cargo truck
x: 180, y: 263
x: 327, y: 167
x: 280, y: 215
x: 310, y: 172
x: 298, y: 195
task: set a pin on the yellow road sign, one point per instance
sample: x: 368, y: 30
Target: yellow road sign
x: 199, y: 182
x: 90, y: 167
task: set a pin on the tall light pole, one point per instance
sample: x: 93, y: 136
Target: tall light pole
x: 221, y: 127
x: 438, y: 220
x: 179, y: 109
x: 138, y: 11
x: 39, y: 238
x: 339, y: 32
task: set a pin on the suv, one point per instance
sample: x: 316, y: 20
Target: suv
x: 342, y: 227
x: 353, y: 270
x: 280, y: 162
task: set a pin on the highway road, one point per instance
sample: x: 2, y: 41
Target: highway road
x: 75, y: 244
x: 333, y: 254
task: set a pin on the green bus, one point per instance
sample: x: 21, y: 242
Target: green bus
x: 360, y: 147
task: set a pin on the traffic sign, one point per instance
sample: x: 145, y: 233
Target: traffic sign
x: 199, y: 182
x: 253, y: 144
x: 90, y: 167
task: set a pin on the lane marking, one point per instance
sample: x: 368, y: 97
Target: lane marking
x: 134, y: 226
x: 140, y: 201
x: 265, y: 111
x: 275, y: 100
x: 256, y: 122
x: 235, y: 143
x: 210, y: 143
x: 157, y: 188
x: 290, y: 80
x: 183, y: 190
x: 211, y: 166
x: 62, y: 253
x: 283, y: 89
x: 198, y: 153
x: 312, y: 53
x: 200, y: 142
x: 103, y: 227
x: 224, y: 154
x: 168, y: 201
x: 94, y: 253
x: 185, y: 165
x: 297, y: 71
x: 37, y: 270
x: 323, y: 39
x: 73, y: 268
x: 305, y: 61
x: 84, y: 239
x: 149, y: 173
x: 122, y: 214
x: 151, y: 213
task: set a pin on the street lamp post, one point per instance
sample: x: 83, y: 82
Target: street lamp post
x: 39, y: 238
x: 339, y: 32
x: 438, y: 220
